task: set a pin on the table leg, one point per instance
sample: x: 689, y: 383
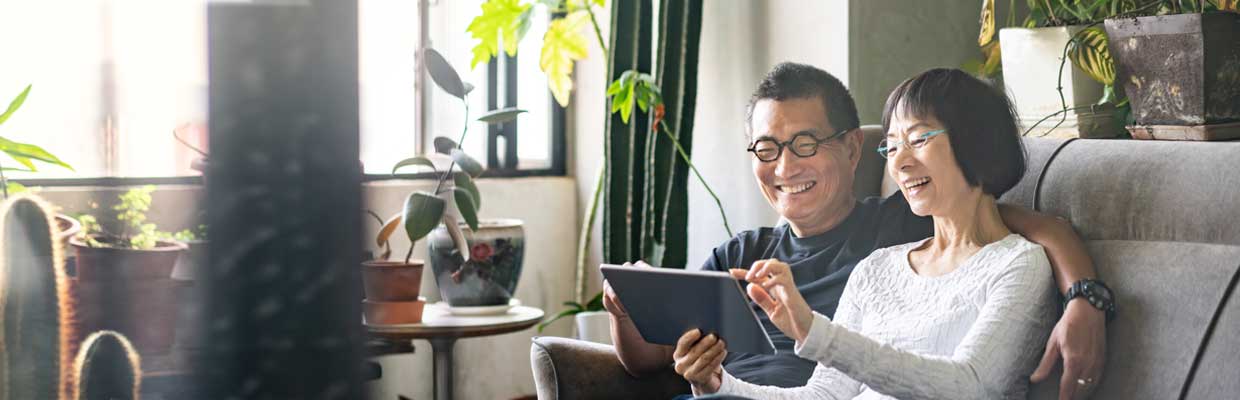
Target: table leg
x: 442, y: 349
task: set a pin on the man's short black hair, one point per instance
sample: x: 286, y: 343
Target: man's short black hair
x: 979, y: 119
x: 800, y: 81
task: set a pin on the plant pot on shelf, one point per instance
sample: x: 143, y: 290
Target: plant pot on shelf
x: 1031, y: 65
x: 129, y: 291
x: 1180, y: 70
x: 392, y: 289
x: 489, y: 277
x: 594, y: 326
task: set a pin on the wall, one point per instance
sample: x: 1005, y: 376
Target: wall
x: 486, y: 368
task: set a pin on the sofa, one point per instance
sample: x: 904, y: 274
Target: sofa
x: 1162, y: 223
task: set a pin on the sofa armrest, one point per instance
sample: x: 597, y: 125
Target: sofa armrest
x: 575, y: 369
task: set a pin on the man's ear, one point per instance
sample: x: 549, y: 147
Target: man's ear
x: 854, y: 140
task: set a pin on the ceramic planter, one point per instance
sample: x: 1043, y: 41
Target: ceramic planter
x: 1031, y: 58
x: 594, y: 326
x: 1179, y: 69
x: 129, y: 291
x: 489, y: 277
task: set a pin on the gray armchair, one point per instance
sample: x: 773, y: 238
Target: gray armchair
x: 574, y: 369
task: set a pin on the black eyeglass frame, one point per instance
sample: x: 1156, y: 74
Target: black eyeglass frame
x: 753, y: 147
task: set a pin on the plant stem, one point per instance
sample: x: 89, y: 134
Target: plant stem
x: 1035, y: 125
x: 685, y: 156
x: 459, y: 143
x: 598, y: 34
x: 4, y: 184
x: 191, y: 147
x: 409, y: 254
x: 587, y: 231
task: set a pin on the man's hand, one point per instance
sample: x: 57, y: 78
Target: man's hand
x: 700, y: 361
x: 1080, y: 337
x: 772, y: 287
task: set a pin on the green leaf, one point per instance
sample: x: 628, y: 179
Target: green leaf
x: 631, y: 90
x: 422, y: 161
x: 444, y: 145
x: 595, y: 303
x: 443, y: 74
x: 21, y: 151
x: 467, y: 163
x: 422, y: 213
x: 1088, y: 51
x: 15, y: 188
x: 557, y: 317
x: 463, y: 181
x: 15, y: 104
x: 465, y: 204
x: 500, y: 23
x: 501, y: 115
x: 562, y: 45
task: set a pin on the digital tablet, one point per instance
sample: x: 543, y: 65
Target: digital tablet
x: 665, y: 303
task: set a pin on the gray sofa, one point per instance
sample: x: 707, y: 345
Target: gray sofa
x: 1162, y: 223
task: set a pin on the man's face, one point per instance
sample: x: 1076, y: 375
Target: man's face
x: 813, y: 193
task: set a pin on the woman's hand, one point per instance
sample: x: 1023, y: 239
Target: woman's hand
x: 771, y: 286
x: 700, y: 361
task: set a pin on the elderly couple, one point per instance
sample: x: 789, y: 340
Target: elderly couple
x: 934, y: 292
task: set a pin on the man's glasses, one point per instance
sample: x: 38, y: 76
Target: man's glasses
x: 888, y: 147
x: 803, y: 144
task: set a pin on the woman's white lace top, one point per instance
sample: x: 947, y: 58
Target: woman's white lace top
x: 974, y: 333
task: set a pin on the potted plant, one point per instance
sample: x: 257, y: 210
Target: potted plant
x: 1033, y: 62
x: 26, y: 155
x: 124, y: 280
x: 392, y: 287
x: 1179, y: 63
x: 591, y: 319
x: 454, y: 202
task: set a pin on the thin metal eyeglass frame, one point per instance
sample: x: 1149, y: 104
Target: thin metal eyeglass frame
x: 882, y: 150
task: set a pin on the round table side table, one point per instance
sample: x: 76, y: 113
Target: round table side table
x: 442, y: 329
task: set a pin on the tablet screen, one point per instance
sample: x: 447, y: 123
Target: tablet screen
x: 665, y: 303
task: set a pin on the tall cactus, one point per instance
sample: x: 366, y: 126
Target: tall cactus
x: 37, y: 325
x: 646, y: 213
x: 107, y: 368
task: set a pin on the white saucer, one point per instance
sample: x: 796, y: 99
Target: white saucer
x: 482, y: 310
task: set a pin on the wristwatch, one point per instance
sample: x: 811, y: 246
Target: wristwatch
x: 1094, y: 291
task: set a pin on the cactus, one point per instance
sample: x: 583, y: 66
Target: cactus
x: 107, y: 368
x: 37, y: 325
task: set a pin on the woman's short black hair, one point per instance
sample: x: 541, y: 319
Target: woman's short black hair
x: 979, y: 119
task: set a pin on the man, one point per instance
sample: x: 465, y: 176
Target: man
x: 810, y: 115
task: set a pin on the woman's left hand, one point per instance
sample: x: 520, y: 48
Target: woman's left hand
x: 772, y: 287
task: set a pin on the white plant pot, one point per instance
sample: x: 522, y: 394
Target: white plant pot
x: 594, y: 326
x: 1031, y: 58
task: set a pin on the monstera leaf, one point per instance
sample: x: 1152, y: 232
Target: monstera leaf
x: 562, y: 45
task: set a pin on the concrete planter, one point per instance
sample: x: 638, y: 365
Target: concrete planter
x: 1031, y: 59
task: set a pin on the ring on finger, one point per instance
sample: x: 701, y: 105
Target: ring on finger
x: 1085, y: 381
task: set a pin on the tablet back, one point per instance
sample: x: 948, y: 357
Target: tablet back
x: 666, y: 303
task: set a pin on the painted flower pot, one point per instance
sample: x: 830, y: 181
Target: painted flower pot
x: 489, y: 277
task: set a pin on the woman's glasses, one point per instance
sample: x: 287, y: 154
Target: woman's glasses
x: 803, y: 144
x: 888, y: 147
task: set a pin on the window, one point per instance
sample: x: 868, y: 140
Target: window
x: 112, y: 80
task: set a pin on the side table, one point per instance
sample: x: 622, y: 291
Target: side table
x: 442, y: 329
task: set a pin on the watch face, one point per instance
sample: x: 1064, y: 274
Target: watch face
x: 1096, y: 292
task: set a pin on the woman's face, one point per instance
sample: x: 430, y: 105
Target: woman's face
x: 928, y: 176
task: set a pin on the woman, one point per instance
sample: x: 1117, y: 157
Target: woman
x: 962, y: 314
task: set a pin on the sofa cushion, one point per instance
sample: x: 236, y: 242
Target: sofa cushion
x: 1215, y: 375
x: 573, y: 369
x: 1168, y: 293
x: 1146, y: 190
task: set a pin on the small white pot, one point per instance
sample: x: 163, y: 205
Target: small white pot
x: 594, y: 326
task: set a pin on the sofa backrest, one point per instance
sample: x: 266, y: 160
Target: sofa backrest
x: 1161, y: 221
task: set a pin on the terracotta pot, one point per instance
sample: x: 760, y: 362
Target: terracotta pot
x: 129, y: 291
x: 393, y: 312
x: 392, y: 280
x: 104, y: 263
